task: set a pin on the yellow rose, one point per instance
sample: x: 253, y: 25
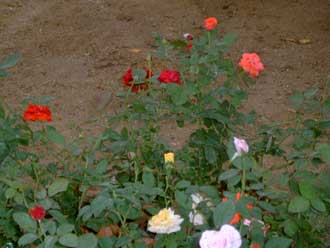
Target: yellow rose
x: 169, y: 157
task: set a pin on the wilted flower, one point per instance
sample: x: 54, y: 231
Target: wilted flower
x: 188, y: 36
x: 227, y: 237
x: 241, y: 147
x: 210, y: 23
x: 165, y: 222
x: 169, y: 157
x: 251, y: 63
x: 38, y: 212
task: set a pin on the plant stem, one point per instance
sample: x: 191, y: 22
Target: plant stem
x: 42, y: 230
x: 243, y: 178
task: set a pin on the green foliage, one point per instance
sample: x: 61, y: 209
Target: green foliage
x: 8, y: 62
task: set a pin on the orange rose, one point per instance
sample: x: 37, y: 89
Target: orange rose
x: 210, y: 23
x: 37, y: 113
x: 237, y: 216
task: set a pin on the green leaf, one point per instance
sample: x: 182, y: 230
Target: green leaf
x: 87, y: 241
x: 50, y: 241
x: 183, y: 184
x: 49, y: 226
x: 102, y: 166
x: 223, y: 213
x: 10, y: 193
x: 311, y: 92
x: 55, y: 136
x: 10, y: 61
x: 211, y: 154
x: 25, y: 222
x: 228, y: 174
x: 3, y: 74
x: 296, y: 100
x: 324, y: 151
x: 319, y: 205
x: 267, y: 206
x: 27, y: 239
x: 307, y: 190
x: 229, y: 38
x: 70, y: 240
x: 2, y: 110
x: 178, y: 95
x: 123, y: 241
x: 290, y: 228
x: 278, y: 242
x: 64, y: 229
x: 298, y: 204
x: 148, y: 178
x: 59, y: 185
x: 181, y: 199
x: 58, y: 216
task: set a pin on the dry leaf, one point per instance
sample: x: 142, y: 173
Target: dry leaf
x: 149, y: 242
x: 135, y: 50
x: 105, y: 231
x: 93, y: 191
x: 304, y: 41
x: 300, y: 41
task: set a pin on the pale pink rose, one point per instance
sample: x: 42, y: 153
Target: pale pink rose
x: 227, y: 237
x: 241, y: 146
x: 247, y: 222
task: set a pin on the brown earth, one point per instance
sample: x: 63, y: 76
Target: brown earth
x: 77, y: 50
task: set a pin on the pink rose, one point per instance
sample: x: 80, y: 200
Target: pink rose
x: 227, y: 237
x: 241, y: 146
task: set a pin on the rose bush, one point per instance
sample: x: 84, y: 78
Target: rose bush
x: 123, y: 188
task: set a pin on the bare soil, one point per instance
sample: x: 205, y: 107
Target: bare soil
x: 77, y: 50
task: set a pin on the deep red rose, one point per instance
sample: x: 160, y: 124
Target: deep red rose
x: 37, y: 113
x: 37, y: 213
x: 128, y: 78
x: 170, y: 76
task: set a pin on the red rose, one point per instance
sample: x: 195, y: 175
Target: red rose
x: 128, y: 78
x: 37, y: 213
x: 210, y: 23
x: 170, y: 76
x: 37, y: 113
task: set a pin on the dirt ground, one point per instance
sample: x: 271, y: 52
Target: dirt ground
x: 77, y: 50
